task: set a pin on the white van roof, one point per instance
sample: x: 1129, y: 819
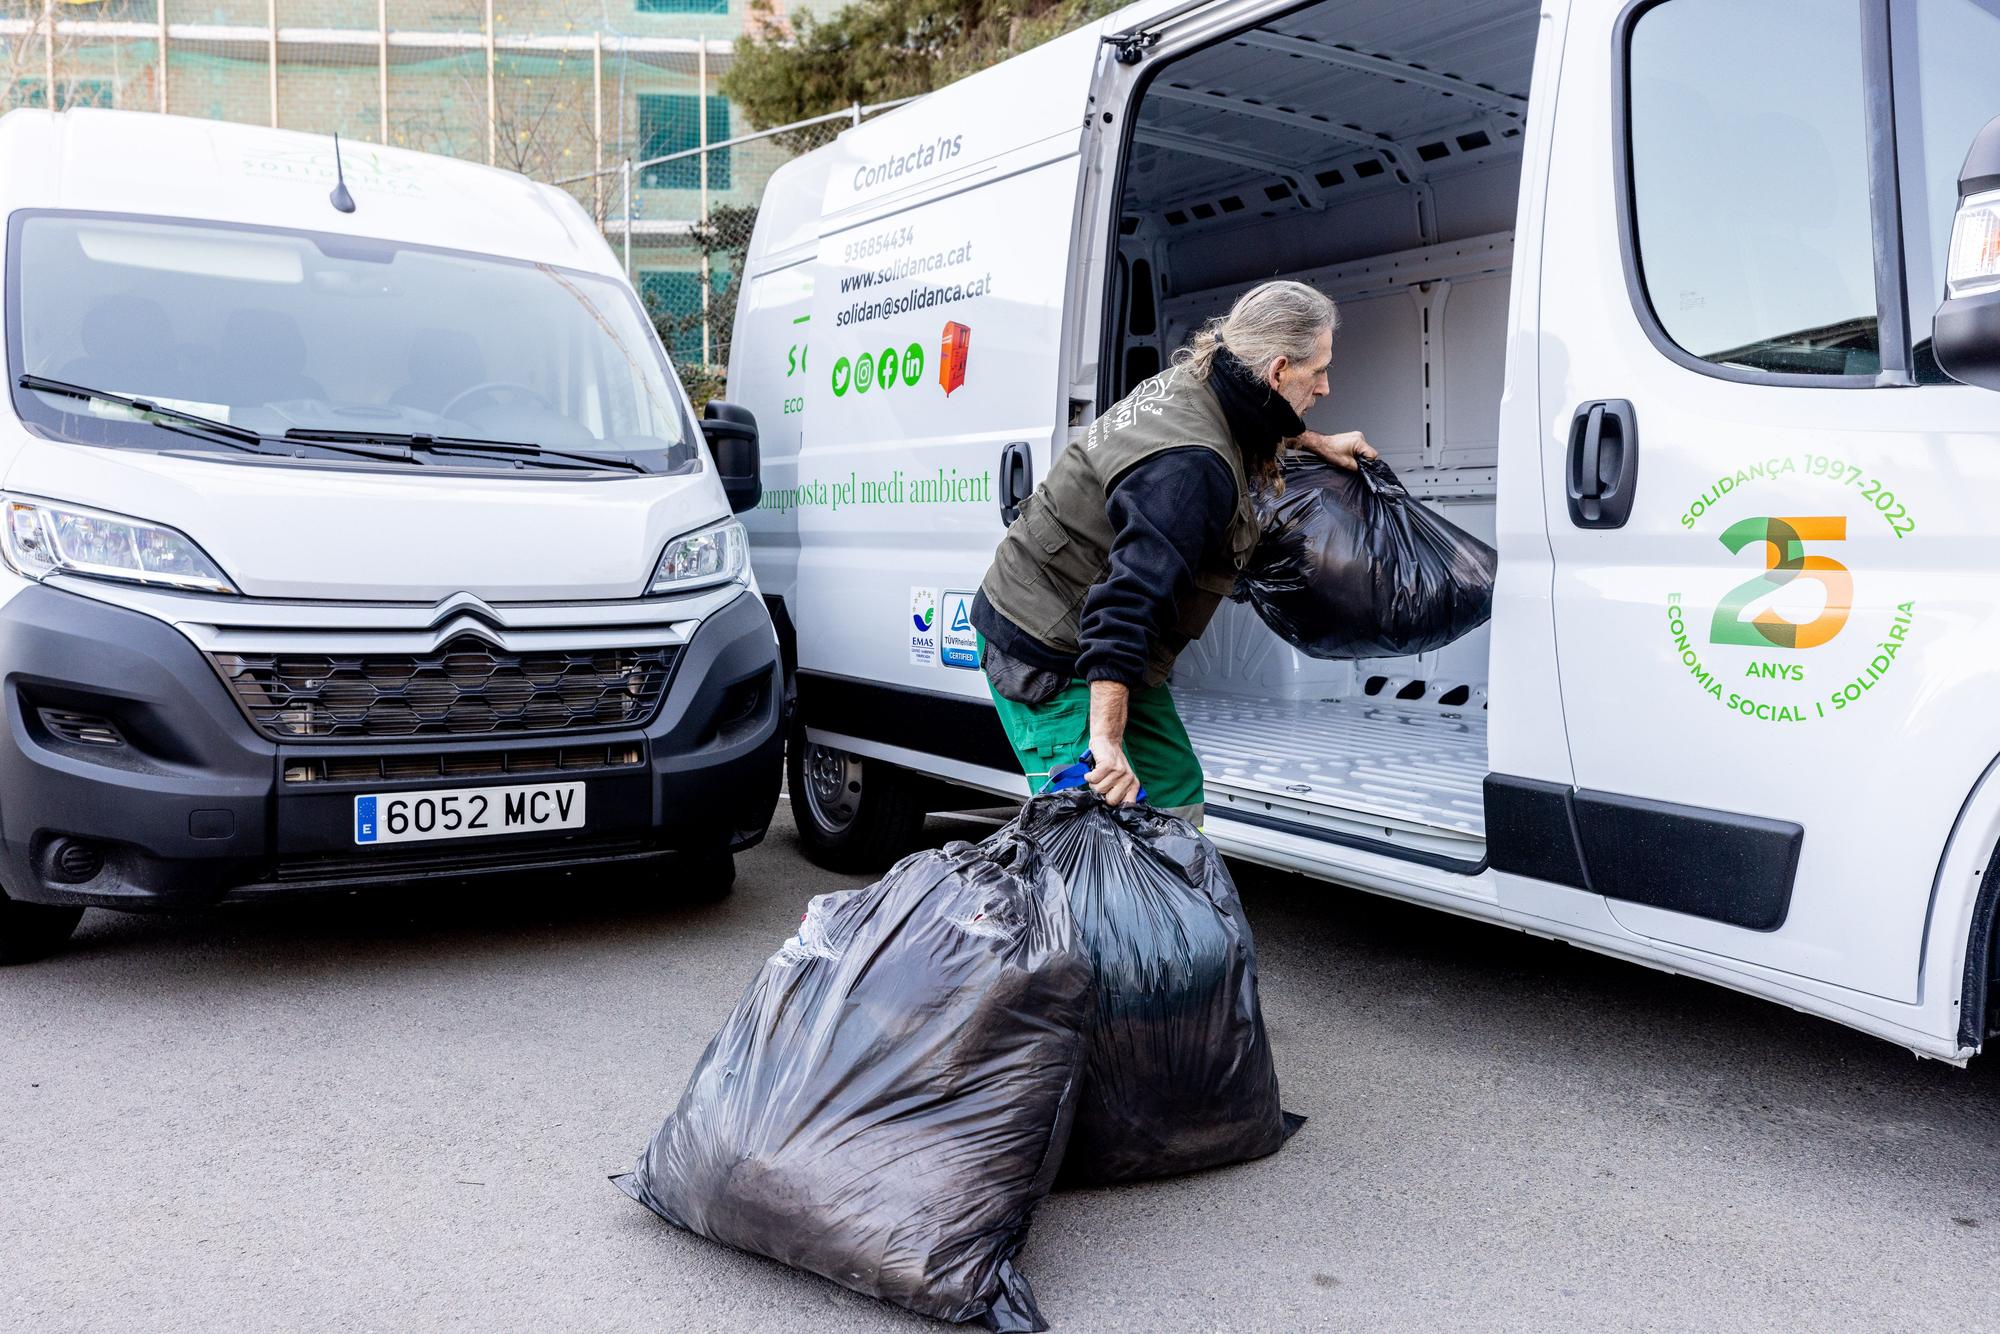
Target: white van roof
x: 993, y: 110
x: 177, y: 166
x: 1011, y: 104
x: 788, y: 214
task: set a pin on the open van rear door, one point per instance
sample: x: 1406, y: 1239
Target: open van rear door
x: 938, y: 337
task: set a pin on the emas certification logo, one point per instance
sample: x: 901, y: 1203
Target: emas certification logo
x: 923, y: 627
x: 1793, y: 643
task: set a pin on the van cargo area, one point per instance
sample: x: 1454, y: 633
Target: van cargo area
x: 1293, y: 150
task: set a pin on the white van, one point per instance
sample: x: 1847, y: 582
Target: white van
x: 355, y: 532
x: 1642, y: 293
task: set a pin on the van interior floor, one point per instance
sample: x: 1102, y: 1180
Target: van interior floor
x: 1403, y: 773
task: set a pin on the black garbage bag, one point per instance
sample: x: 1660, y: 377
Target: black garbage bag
x: 1352, y: 566
x: 891, y: 1098
x: 1177, y: 1073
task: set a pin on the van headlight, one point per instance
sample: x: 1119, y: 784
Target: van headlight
x: 44, y: 537
x: 717, y: 555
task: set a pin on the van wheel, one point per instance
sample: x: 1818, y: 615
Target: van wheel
x: 31, y: 931
x: 853, y: 814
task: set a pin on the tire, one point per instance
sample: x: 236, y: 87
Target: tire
x: 853, y: 814
x: 31, y: 931
x: 703, y: 877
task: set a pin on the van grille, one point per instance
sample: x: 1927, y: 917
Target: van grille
x: 467, y: 687
x: 405, y: 763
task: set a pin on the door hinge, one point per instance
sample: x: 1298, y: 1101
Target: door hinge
x: 1131, y: 47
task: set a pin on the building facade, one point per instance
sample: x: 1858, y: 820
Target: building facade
x: 557, y: 89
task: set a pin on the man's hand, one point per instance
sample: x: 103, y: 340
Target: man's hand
x: 1113, y: 778
x: 1343, y: 449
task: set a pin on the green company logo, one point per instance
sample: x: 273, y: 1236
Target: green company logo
x: 913, y: 363
x: 864, y: 374
x: 1794, y: 642
x: 885, y: 367
x: 842, y: 372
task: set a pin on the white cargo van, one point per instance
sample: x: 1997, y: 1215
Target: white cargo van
x: 1643, y: 293
x: 354, y: 534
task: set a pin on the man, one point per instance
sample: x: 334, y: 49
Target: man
x: 1121, y: 556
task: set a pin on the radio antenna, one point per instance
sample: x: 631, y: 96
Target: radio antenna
x: 342, y: 200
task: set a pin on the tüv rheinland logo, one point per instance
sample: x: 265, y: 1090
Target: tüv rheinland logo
x: 958, y: 642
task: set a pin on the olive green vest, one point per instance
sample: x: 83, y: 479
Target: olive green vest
x: 1060, y: 546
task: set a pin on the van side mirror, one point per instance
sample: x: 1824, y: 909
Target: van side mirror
x: 731, y: 432
x: 1966, y: 334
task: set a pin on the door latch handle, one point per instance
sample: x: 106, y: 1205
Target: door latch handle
x: 1603, y: 463
x: 1017, y: 479
x: 1590, y: 476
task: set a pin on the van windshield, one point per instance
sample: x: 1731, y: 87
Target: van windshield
x: 300, y: 334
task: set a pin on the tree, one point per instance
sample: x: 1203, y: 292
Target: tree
x: 24, y: 61
x: 793, y: 68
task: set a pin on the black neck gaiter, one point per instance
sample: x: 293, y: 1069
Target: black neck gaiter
x: 1259, y: 418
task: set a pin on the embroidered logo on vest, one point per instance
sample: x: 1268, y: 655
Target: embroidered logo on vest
x: 1149, y: 398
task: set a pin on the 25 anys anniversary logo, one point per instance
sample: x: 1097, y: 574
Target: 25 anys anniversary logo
x: 1791, y: 644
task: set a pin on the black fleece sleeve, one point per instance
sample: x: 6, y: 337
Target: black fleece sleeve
x: 1168, y: 512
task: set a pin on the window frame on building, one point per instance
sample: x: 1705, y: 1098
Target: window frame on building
x: 667, y: 114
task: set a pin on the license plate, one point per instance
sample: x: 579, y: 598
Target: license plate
x: 407, y: 817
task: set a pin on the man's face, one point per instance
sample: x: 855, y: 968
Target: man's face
x: 1303, y: 383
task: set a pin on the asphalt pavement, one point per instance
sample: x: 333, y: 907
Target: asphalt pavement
x: 397, y: 1111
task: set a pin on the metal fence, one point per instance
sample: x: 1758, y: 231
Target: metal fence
x: 616, y: 100
x: 688, y: 270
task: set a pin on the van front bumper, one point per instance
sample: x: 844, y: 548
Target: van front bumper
x: 193, y: 805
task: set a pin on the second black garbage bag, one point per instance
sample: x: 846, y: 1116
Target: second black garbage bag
x: 1178, y: 1073
x: 1352, y: 566
x: 890, y: 1100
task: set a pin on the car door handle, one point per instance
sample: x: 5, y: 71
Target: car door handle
x: 1017, y: 479
x: 1603, y: 465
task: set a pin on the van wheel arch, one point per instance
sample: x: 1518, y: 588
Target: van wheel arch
x: 1978, y: 1003
x: 853, y: 813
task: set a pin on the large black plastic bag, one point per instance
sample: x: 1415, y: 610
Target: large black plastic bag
x: 1352, y: 566
x: 1178, y: 1073
x: 891, y: 1098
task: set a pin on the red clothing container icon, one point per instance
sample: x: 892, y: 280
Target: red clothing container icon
x: 951, y: 356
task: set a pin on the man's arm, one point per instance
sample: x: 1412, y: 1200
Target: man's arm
x: 1342, y: 449
x: 1113, y: 778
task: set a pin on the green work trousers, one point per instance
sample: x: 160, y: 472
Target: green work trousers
x: 1048, y: 736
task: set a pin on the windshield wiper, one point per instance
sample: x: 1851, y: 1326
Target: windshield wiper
x: 190, y: 423
x: 183, y: 422
x: 425, y: 442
